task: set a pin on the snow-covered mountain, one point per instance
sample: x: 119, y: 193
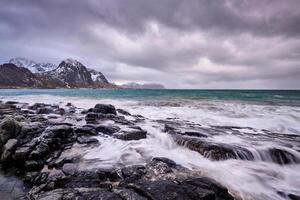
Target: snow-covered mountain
x: 72, y: 73
x: 69, y: 73
x: 12, y: 76
x: 33, y: 66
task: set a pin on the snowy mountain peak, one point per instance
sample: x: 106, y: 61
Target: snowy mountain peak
x: 72, y: 61
x: 33, y: 66
x: 22, y: 62
x: 70, y: 65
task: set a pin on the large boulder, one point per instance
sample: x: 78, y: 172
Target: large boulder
x: 123, y: 112
x: 162, y: 181
x: 9, y: 128
x: 62, y: 131
x: 105, y: 109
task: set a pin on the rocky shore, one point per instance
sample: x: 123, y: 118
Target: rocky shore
x: 42, y: 148
x: 33, y: 146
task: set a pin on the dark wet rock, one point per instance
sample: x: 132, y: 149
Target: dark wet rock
x: 27, y: 112
x: 11, y: 102
x: 167, y: 161
x: 9, y: 128
x: 37, y: 105
x: 70, y: 169
x: 108, y: 175
x: 136, y: 183
x: 109, y: 130
x: 191, y: 189
x: 55, y: 175
x: 169, y: 128
x: 194, y: 134
x: 42, y: 153
x: 28, y: 141
x: 123, y: 112
x: 38, y: 118
x: 52, y: 117
x: 87, y: 140
x: 52, y: 139
x: 33, y: 165
x: 33, y: 128
x: 160, y: 166
x: 132, y: 135
x: 8, y: 149
x: 78, y: 193
x: 40, y: 150
x: 54, y: 156
x: 19, y: 118
x: 44, y: 110
x: 105, y: 109
x: 57, y: 194
x: 83, y: 179
x: 85, y: 131
x: 282, y: 157
x: 214, y: 151
x: 160, y: 182
x: 84, y: 112
x: 69, y: 104
x: 138, y: 118
x: 60, y: 111
x: 60, y: 124
x: 294, y: 197
x: 91, y: 117
x: 36, y: 178
x: 62, y: 131
x: 132, y: 172
x: 22, y: 153
x: 121, y: 120
x: 59, y: 162
x: 128, y: 194
x: 206, y: 185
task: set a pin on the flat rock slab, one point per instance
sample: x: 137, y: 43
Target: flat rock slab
x: 11, y: 187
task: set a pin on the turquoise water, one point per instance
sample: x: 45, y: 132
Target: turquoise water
x: 286, y: 97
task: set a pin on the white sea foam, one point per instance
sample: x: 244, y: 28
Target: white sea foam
x: 282, y: 119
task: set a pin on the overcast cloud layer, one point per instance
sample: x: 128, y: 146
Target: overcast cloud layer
x: 181, y: 44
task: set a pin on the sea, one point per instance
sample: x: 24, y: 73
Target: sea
x: 266, y: 119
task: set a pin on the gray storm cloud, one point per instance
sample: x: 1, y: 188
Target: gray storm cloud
x: 181, y: 44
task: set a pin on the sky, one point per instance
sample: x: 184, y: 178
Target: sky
x: 205, y: 44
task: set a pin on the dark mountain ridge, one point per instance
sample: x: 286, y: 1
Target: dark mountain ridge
x: 69, y: 74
